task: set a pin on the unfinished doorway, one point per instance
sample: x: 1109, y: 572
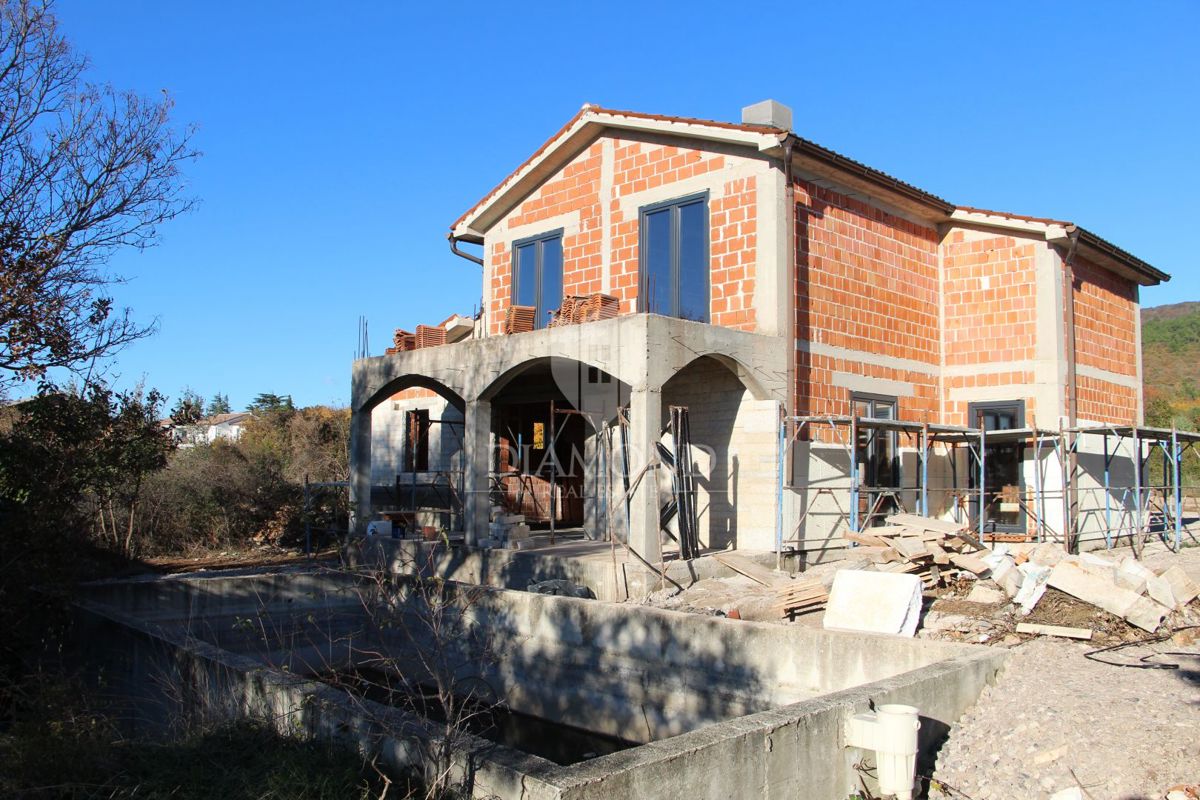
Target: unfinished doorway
x: 546, y: 417
x: 1002, y: 479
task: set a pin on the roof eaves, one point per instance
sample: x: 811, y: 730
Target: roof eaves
x: 761, y: 136
x: 1153, y: 275
x: 873, y: 176
x: 1109, y: 249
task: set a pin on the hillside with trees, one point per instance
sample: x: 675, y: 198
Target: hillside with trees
x: 1171, y: 364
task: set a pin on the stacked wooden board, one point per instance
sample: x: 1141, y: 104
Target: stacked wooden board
x: 931, y: 548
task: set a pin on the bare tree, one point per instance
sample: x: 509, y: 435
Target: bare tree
x: 84, y: 171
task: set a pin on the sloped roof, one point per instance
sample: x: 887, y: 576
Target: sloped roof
x: 591, y: 119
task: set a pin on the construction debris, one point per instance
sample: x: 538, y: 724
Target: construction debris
x: 870, y: 603
x: 1054, y: 630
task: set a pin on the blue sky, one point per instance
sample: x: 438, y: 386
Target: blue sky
x: 341, y: 140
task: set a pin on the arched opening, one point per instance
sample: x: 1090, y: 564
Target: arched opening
x: 733, y: 438
x: 548, y: 418
x: 414, y: 458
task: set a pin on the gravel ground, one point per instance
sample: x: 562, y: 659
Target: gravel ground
x: 1056, y: 719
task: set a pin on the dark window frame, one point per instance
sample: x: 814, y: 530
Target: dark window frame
x: 541, y: 314
x: 643, y: 256
x: 973, y: 412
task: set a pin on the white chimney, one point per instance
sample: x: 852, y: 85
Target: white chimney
x: 768, y: 112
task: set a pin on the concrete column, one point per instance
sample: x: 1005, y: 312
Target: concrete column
x: 645, y: 425
x: 360, y: 470
x: 477, y: 459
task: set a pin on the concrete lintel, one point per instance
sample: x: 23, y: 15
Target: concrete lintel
x: 863, y: 383
x: 863, y: 357
x: 1128, y: 381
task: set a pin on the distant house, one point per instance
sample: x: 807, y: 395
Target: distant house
x: 206, y: 431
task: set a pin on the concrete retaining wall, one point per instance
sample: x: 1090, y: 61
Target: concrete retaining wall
x: 685, y: 682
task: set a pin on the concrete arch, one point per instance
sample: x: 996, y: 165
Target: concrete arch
x: 743, y: 372
x: 410, y: 381
x: 733, y: 433
x: 563, y: 366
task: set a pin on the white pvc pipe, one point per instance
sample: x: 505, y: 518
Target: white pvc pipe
x: 890, y: 731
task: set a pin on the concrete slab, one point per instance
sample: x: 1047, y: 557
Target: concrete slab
x: 874, y: 602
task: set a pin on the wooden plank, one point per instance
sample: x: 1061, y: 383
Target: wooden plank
x: 752, y: 570
x: 940, y: 556
x: 970, y: 563
x: 1054, y: 630
x: 894, y: 530
x: 878, y: 555
x: 867, y: 539
x: 910, y: 548
x: 925, y: 523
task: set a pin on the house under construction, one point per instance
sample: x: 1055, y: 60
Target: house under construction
x: 700, y: 334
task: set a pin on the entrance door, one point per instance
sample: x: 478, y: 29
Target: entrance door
x: 879, y: 467
x: 1002, y: 479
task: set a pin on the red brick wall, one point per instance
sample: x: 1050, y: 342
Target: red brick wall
x: 866, y: 280
x: 1106, y: 320
x: 991, y: 313
x: 414, y: 393
x: 733, y: 246
x: 990, y: 287
x: 1101, y: 401
x: 638, y: 167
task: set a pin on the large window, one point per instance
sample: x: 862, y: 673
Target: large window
x: 538, y: 275
x: 674, y: 258
x: 1002, y: 480
x: 879, y: 469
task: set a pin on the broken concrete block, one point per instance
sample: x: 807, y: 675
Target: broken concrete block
x: 1146, y: 614
x: 1159, y: 590
x: 1047, y: 553
x: 1133, y: 574
x: 874, y: 602
x: 1183, y: 588
x: 1100, y: 591
x: 1071, y: 793
x: 1012, y: 582
x: 1099, y: 561
x: 1033, y: 585
x: 981, y: 593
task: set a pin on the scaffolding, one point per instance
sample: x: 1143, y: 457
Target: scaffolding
x: 1144, y: 508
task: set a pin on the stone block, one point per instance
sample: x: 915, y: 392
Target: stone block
x: 1099, y: 590
x: 1183, y: 588
x: 1146, y: 614
x: 874, y: 602
x: 1160, y: 592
